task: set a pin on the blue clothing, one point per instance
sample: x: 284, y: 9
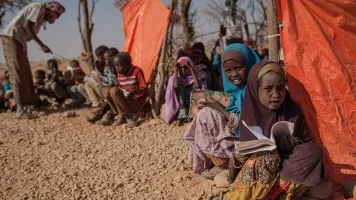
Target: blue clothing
x: 237, y: 93
x: 111, y: 78
x: 7, y: 87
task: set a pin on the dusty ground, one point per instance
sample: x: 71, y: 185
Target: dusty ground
x: 55, y: 157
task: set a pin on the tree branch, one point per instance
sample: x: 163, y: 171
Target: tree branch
x: 92, y: 13
x: 80, y: 27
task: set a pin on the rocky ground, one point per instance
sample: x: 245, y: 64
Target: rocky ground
x: 56, y: 157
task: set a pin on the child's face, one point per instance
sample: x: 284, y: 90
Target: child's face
x: 183, y: 69
x: 106, y: 57
x: 53, y: 67
x: 196, y: 58
x: 74, y: 65
x: 272, y: 90
x: 101, y: 58
x: 121, y: 67
x: 236, y: 70
x: 39, y: 79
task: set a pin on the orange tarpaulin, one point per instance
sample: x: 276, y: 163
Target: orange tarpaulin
x: 319, y: 45
x: 145, y: 22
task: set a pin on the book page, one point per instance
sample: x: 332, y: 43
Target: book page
x: 256, y: 131
x: 281, y: 128
x: 254, y: 146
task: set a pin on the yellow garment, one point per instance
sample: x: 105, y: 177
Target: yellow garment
x: 217, y: 161
x: 254, y: 190
x: 257, y: 190
x: 274, y: 67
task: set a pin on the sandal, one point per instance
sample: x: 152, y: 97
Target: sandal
x: 105, y: 122
x: 26, y: 116
x: 131, y: 122
x: 120, y: 120
x: 93, y: 119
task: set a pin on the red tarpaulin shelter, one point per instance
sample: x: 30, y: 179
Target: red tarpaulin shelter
x: 319, y: 44
x: 145, y: 22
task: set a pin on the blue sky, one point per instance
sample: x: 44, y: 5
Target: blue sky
x: 64, y: 39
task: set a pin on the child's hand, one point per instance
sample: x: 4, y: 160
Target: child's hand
x: 132, y: 95
x: 211, y: 103
x: 287, y: 142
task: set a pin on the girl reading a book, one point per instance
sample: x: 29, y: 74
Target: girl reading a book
x: 213, y: 131
x: 296, y: 164
x: 179, y: 87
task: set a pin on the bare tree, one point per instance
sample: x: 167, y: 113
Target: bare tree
x: 187, y: 22
x: 254, y: 9
x: 119, y: 3
x: 273, y: 29
x: 11, y: 6
x: 87, y: 31
x: 257, y: 9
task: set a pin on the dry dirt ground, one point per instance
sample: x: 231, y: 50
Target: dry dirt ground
x: 55, y: 157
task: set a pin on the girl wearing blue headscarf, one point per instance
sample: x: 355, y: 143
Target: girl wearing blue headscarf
x: 213, y: 131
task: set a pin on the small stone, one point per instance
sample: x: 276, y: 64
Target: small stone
x: 110, y: 192
x: 131, y: 185
x: 157, y: 192
x: 119, y: 184
x: 222, y: 179
x: 178, y: 179
x: 133, y: 190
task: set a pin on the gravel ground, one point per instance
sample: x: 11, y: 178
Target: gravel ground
x: 56, y: 157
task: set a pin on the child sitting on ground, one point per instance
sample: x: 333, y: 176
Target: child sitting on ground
x: 111, y: 82
x: 8, y: 94
x: 56, y: 81
x: 42, y: 92
x: 77, y: 88
x: 179, y: 88
x: 131, y: 93
x: 97, y: 76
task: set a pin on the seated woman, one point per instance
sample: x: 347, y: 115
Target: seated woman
x: 296, y: 164
x: 179, y: 87
x: 213, y: 131
x: 203, y: 69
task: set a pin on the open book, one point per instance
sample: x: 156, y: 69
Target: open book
x: 263, y: 143
x: 203, y: 95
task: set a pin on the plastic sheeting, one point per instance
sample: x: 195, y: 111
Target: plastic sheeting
x: 145, y: 22
x: 319, y: 43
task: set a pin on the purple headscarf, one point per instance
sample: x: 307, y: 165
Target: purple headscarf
x: 172, y: 103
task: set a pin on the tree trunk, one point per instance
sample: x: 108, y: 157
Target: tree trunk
x: 86, y: 33
x: 162, y: 62
x: 273, y: 30
x: 185, y: 22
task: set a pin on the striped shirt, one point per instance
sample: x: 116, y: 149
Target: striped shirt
x: 133, y: 80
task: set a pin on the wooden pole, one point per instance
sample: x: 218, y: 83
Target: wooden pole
x: 273, y: 30
x: 162, y: 62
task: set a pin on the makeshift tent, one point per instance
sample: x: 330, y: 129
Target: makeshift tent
x: 145, y: 22
x: 319, y: 43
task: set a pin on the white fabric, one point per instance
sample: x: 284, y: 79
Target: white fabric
x: 33, y: 12
x: 234, y: 27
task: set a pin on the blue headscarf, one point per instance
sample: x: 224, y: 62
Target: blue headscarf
x: 237, y: 93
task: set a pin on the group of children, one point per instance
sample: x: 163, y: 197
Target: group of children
x: 258, y: 97
x: 115, y: 87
